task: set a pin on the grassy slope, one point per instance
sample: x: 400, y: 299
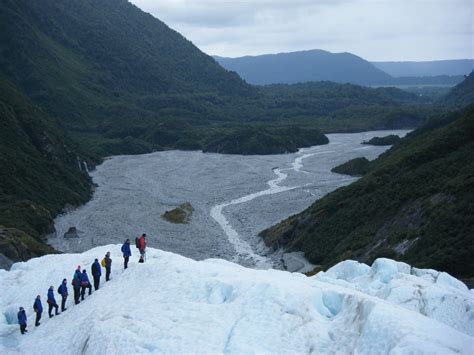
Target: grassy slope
x: 419, y: 192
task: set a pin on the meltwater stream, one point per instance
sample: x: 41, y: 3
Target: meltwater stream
x: 234, y: 198
x: 243, y: 249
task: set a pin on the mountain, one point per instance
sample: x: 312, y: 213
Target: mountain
x: 172, y: 304
x: 304, y: 66
x: 41, y: 171
x: 461, y: 95
x: 413, y: 205
x: 106, y: 67
x: 119, y: 81
x: 427, y: 68
x: 86, y: 79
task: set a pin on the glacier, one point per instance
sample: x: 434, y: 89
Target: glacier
x: 175, y: 305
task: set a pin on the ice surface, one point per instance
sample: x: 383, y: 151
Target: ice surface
x: 172, y: 305
x: 434, y: 294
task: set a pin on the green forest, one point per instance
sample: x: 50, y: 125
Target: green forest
x: 85, y: 79
x: 414, y: 203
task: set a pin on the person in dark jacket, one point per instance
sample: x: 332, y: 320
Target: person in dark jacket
x: 85, y: 284
x: 127, y: 253
x: 22, y: 320
x: 38, y: 308
x: 52, y: 302
x: 108, y: 266
x: 76, y: 284
x: 96, y: 273
x: 63, y: 292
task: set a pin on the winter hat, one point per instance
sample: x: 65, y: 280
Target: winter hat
x: 21, y: 308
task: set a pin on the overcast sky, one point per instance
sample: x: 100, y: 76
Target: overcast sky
x: 372, y: 29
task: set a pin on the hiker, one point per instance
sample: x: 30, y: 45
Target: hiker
x: 76, y: 284
x: 107, y: 263
x: 52, y: 302
x: 38, y: 308
x: 142, y: 245
x: 85, y: 284
x: 22, y: 320
x: 96, y: 272
x: 62, y: 290
x: 127, y: 253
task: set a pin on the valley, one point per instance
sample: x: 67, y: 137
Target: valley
x: 234, y: 197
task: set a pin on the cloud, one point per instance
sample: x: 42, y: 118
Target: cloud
x: 373, y: 29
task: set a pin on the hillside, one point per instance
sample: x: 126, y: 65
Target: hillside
x: 39, y: 175
x: 461, y: 95
x: 304, y: 66
x: 214, y: 306
x: 121, y: 82
x: 414, y: 205
x: 93, y: 78
x: 427, y: 68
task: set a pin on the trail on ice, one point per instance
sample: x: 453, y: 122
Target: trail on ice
x: 216, y: 307
x: 243, y: 248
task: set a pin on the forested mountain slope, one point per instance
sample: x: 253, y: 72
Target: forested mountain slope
x: 414, y: 205
x: 39, y: 174
x: 121, y: 81
x: 462, y: 94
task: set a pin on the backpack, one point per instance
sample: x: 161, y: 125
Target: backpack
x: 60, y: 288
x: 103, y: 263
x: 137, y: 242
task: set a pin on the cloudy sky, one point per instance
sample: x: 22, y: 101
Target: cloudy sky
x: 372, y: 29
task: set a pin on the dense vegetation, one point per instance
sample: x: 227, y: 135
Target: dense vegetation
x: 462, y: 94
x: 120, y: 81
x: 387, y: 140
x: 355, y: 167
x: 415, y: 204
x: 39, y: 175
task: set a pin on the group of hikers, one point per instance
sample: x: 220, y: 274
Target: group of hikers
x: 80, y: 282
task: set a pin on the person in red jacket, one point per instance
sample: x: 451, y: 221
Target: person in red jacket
x: 142, y: 245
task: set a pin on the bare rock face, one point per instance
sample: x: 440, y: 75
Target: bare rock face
x: 71, y: 233
x: 180, y: 214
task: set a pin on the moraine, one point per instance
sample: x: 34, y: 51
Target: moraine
x: 234, y: 197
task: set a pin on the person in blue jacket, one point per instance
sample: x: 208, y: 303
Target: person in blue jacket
x: 22, y: 320
x: 62, y: 289
x: 76, y: 284
x: 85, y: 284
x: 38, y: 308
x: 96, y: 273
x: 127, y: 253
x: 52, y: 302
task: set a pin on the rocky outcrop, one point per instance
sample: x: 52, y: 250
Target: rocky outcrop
x: 71, y: 233
x: 180, y: 214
